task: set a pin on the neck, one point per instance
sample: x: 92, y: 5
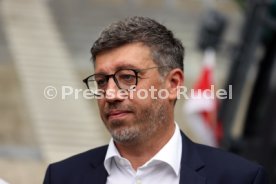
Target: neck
x: 140, y: 152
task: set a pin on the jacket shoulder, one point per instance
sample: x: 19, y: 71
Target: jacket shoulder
x: 75, y: 168
x: 232, y: 167
x: 80, y: 162
x: 94, y: 155
x: 221, y: 156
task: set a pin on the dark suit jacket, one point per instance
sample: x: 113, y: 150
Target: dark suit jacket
x: 199, y: 165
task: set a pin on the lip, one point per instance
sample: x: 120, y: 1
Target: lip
x: 117, y: 114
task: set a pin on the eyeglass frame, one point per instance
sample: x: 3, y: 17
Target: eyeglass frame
x: 107, y: 77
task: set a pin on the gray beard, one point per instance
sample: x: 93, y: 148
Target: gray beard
x: 149, y: 121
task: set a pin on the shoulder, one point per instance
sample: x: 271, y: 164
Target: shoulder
x: 232, y: 167
x: 214, y: 159
x: 80, y: 161
x: 93, y: 155
x: 74, y: 168
x: 218, y: 156
x: 220, y: 166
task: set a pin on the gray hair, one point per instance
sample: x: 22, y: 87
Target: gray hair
x: 166, y: 50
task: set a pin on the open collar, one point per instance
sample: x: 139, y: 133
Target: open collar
x: 169, y: 154
x: 191, y: 165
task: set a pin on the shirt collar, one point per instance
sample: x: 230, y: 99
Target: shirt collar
x: 112, y: 152
x: 169, y: 154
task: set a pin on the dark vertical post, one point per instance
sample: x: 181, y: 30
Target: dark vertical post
x: 243, y: 59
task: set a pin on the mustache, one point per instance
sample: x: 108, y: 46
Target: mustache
x: 118, y: 106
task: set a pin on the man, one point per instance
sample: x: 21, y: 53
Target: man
x: 133, y: 57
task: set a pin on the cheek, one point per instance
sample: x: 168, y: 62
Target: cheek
x: 141, y: 99
x: 139, y: 96
x: 101, y: 108
x: 100, y: 105
x: 146, y: 93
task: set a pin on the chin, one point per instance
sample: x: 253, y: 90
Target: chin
x: 125, y: 135
x: 116, y: 124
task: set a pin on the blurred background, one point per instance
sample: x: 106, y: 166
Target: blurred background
x: 44, y: 46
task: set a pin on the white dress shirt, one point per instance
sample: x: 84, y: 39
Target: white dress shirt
x: 163, y: 168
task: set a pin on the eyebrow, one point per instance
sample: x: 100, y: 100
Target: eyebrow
x: 121, y: 67
x: 126, y: 66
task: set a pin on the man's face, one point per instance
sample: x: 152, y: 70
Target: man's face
x: 131, y: 119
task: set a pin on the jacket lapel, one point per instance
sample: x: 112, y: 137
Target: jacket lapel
x: 191, y: 163
x: 97, y: 174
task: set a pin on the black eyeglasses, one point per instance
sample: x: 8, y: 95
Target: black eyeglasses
x: 124, y: 78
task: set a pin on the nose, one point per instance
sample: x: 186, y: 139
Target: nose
x: 113, y: 93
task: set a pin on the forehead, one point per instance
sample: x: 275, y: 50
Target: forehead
x: 134, y: 55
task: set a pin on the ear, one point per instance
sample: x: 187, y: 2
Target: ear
x: 175, y: 79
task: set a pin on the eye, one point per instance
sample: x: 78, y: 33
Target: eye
x: 100, y: 81
x: 127, y: 78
